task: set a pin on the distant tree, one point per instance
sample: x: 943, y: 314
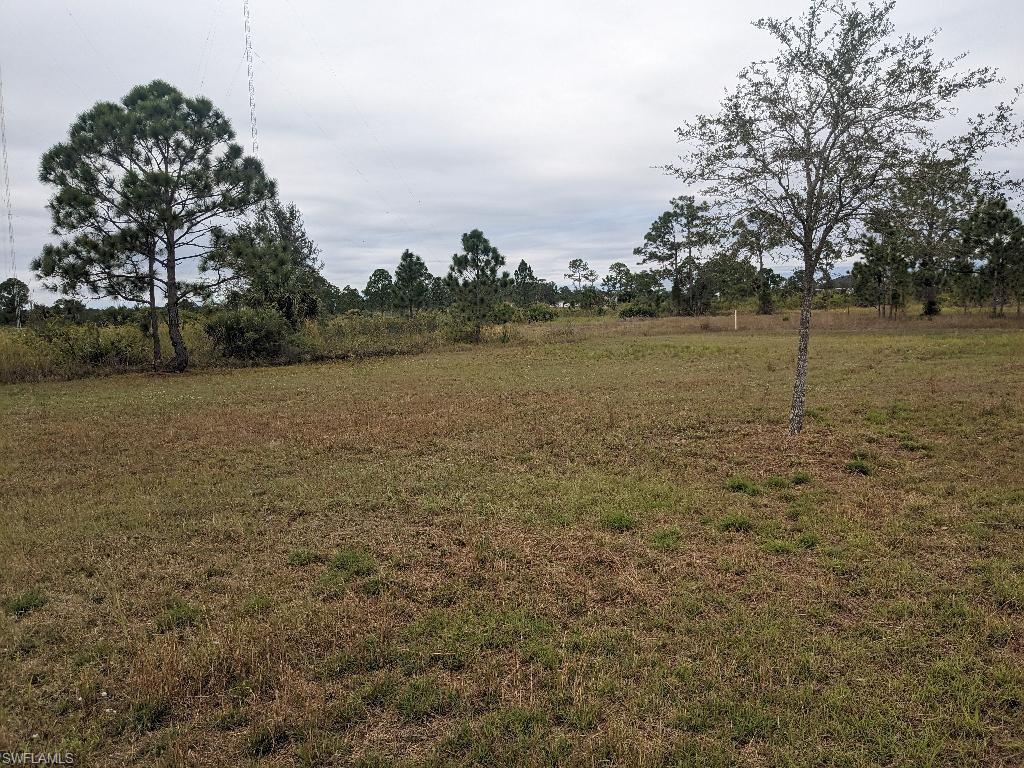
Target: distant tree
x: 730, y: 276
x: 617, y: 282
x: 474, y: 281
x: 881, y: 278
x: 524, y: 285
x: 675, y: 242
x: 348, y: 299
x: 379, y: 293
x: 547, y: 292
x: 14, y: 296
x: 271, y: 262
x: 439, y: 295
x: 580, y: 273
x: 412, y: 281
x: 754, y: 237
x: 994, y: 236
x: 814, y: 138
x: 71, y: 310
x: 140, y: 187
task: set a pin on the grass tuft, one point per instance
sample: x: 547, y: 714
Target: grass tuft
x: 354, y: 562
x: 303, y: 557
x: 178, y: 615
x: 666, y: 539
x: 735, y: 522
x: 619, y: 521
x: 741, y: 485
x: 25, y: 603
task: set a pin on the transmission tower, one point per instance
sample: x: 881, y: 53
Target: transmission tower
x: 13, y: 266
x: 252, y: 84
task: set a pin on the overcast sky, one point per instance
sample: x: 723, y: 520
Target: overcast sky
x: 400, y: 125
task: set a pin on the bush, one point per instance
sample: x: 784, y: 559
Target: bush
x: 540, y: 313
x: 638, y: 309
x: 26, y: 356
x: 361, y: 336
x: 249, y: 334
x: 118, y: 347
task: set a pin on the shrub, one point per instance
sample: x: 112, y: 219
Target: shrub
x: 638, y: 309
x: 800, y: 478
x: 775, y: 481
x: 118, y: 347
x: 25, y: 356
x: 249, y: 334
x: 540, y: 313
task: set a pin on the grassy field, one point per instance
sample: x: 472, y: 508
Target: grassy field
x: 591, y: 546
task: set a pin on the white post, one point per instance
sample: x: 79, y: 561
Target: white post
x: 735, y: 320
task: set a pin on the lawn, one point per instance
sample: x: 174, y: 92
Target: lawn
x: 593, y: 545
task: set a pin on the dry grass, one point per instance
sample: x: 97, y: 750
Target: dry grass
x: 590, y: 546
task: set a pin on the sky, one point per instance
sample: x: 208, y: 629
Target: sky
x: 402, y: 124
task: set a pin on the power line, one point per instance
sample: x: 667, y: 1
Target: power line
x: 252, y: 84
x: 7, y: 194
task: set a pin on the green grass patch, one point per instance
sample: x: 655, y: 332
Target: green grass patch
x: 25, y: 603
x: 619, y: 521
x: 741, y: 485
x: 178, y: 615
x: 666, y: 539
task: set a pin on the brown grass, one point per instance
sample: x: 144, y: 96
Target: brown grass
x: 462, y: 593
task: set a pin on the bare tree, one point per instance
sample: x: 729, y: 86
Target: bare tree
x: 813, y: 139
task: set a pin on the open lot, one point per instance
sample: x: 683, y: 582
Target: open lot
x: 593, y: 545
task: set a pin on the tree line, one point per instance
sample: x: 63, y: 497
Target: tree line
x: 834, y: 147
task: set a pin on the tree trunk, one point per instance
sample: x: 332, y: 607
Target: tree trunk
x: 180, y: 361
x: 154, y: 315
x: 796, y: 411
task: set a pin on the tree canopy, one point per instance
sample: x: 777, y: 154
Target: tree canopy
x: 140, y: 187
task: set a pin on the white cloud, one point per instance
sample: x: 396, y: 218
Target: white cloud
x: 403, y: 124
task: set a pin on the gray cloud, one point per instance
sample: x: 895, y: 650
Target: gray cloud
x: 403, y: 124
